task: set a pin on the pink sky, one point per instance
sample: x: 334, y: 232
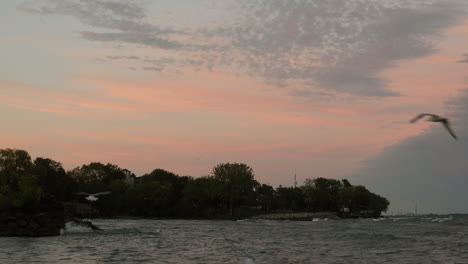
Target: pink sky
x: 142, y: 105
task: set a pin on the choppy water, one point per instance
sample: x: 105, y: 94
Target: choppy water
x: 392, y: 240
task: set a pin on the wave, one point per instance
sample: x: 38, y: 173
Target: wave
x: 74, y: 227
x: 442, y: 219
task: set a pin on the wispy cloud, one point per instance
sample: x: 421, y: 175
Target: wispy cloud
x: 88, y: 10
x: 124, y: 18
x: 71, y: 103
x: 464, y: 60
x: 152, y: 69
x: 123, y: 57
x: 331, y: 47
x: 151, y: 64
x: 151, y: 39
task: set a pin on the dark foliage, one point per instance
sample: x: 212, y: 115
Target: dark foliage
x: 230, y: 192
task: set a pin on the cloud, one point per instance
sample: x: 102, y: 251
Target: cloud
x: 75, y: 103
x: 159, y: 65
x: 338, y: 45
x: 152, y: 69
x: 429, y: 170
x: 87, y: 10
x: 124, y: 17
x: 465, y: 60
x: 123, y: 57
x: 333, y: 47
x: 151, y: 39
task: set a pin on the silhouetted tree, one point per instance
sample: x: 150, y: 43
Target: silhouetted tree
x: 230, y: 191
x: 266, y: 197
x: 53, y: 179
x: 290, y: 198
x: 18, y: 187
x: 96, y: 177
x: 238, y: 183
x: 202, y: 197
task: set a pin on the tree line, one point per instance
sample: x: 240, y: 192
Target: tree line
x: 231, y: 191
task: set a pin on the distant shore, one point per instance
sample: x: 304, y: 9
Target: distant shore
x: 297, y: 216
x: 292, y: 216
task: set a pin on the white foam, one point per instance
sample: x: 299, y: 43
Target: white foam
x: 248, y: 261
x: 440, y: 220
x: 73, y: 227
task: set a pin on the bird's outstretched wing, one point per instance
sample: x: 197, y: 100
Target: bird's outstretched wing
x: 101, y: 193
x: 420, y: 116
x: 446, y: 124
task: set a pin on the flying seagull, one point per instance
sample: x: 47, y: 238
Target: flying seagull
x: 92, y: 197
x: 436, y: 118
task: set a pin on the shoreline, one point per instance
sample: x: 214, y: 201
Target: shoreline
x: 292, y: 216
x: 298, y: 216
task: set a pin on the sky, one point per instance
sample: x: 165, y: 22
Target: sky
x: 313, y: 88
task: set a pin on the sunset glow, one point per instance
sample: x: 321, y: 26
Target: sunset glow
x: 295, y: 91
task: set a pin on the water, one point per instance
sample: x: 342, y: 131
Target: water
x: 392, y: 240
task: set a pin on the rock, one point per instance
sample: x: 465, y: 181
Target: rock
x: 21, y: 232
x: 22, y: 223
x: 85, y: 223
x: 35, y: 226
x: 11, y: 225
x: 3, y: 219
x: 31, y: 224
x: 41, y: 219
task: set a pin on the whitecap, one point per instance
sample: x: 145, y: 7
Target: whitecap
x: 441, y: 220
x: 248, y: 261
x: 73, y: 227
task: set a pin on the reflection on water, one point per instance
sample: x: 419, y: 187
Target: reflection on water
x: 390, y: 240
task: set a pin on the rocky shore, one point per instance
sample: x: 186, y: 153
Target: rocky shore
x: 297, y: 216
x: 31, y: 224
x: 50, y: 220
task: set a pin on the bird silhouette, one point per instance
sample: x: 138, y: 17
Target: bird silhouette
x: 92, y: 197
x: 435, y: 118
